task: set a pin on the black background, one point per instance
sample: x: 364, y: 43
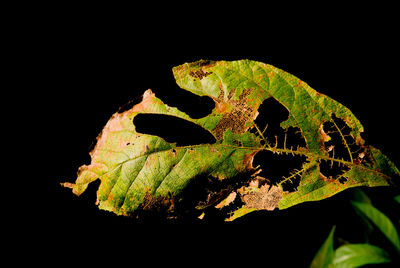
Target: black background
x: 82, y: 73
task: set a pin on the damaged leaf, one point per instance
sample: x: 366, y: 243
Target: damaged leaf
x: 141, y: 171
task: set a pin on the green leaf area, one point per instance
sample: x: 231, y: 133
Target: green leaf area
x: 380, y: 220
x: 138, y: 170
x: 325, y: 254
x: 348, y: 255
x: 356, y: 255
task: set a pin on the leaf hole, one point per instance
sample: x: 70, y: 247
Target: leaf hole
x: 277, y: 167
x: 193, y: 105
x: 333, y: 170
x: 207, y: 192
x: 172, y: 129
x: 271, y: 115
x: 342, y: 141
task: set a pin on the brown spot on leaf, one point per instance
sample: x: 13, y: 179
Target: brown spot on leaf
x: 324, y: 178
x: 236, y: 113
x: 222, y: 107
x: 157, y: 203
x: 266, y: 197
x: 359, y: 140
x: 200, y: 74
x: 299, y: 83
x: 248, y: 160
x: 203, y: 63
x: 237, y: 143
x: 324, y: 137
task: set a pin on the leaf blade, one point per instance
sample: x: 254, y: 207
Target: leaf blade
x: 397, y: 198
x: 133, y: 175
x: 308, y: 110
x: 356, y: 255
x: 360, y: 196
x: 381, y: 221
x: 325, y: 254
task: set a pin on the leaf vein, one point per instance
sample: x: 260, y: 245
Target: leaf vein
x: 134, y: 179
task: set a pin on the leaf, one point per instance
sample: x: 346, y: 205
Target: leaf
x: 324, y: 256
x: 397, y: 198
x: 380, y: 220
x: 141, y: 171
x: 366, y: 225
x: 356, y: 255
x: 360, y: 196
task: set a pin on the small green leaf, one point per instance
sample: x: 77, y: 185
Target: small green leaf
x: 397, y: 198
x: 356, y: 255
x: 325, y: 254
x: 366, y: 226
x: 381, y: 221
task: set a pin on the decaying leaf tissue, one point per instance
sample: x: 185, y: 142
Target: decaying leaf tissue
x: 140, y: 171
